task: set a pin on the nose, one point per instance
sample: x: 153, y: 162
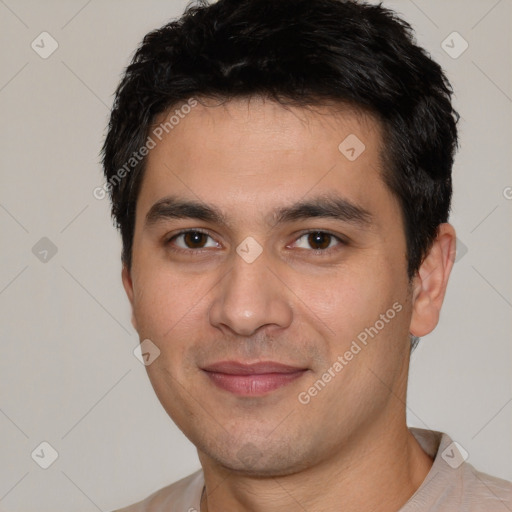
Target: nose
x: 249, y: 297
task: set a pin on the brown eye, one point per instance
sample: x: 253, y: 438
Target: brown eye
x: 193, y: 239
x: 319, y: 240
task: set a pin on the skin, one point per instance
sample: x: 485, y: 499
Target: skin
x: 293, y: 304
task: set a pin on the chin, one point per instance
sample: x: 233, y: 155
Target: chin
x: 262, y: 461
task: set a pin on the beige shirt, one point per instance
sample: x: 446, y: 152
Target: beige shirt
x: 451, y: 485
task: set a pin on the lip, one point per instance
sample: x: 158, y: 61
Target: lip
x: 252, y: 379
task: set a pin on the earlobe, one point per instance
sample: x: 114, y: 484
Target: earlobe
x: 128, y: 287
x: 429, y: 285
x: 127, y: 283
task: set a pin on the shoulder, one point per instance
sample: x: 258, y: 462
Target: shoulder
x: 480, y: 491
x: 183, y: 496
x: 453, y: 484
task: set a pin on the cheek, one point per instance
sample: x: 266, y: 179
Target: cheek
x: 154, y: 305
x: 171, y: 309
x: 348, y: 300
x: 165, y: 300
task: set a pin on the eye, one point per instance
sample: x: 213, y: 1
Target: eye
x: 193, y: 239
x: 317, y: 240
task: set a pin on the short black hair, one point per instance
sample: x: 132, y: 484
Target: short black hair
x: 304, y: 53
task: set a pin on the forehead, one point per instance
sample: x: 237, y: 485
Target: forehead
x: 253, y: 123
x: 258, y: 153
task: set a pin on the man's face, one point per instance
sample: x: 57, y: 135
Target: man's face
x: 296, y: 255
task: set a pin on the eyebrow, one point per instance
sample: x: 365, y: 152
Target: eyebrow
x: 175, y: 208
x: 327, y: 207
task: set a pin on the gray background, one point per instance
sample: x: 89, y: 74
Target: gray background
x: 69, y: 376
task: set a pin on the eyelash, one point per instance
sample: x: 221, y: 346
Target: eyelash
x: 339, y: 239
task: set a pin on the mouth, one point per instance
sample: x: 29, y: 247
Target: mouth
x: 254, y: 379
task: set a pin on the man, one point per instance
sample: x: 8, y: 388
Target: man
x: 281, y: 176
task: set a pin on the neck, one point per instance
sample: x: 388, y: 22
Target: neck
x: 377, y: 470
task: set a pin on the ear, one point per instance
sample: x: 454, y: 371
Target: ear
x: 429, y: 284
x: 128, y: 288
